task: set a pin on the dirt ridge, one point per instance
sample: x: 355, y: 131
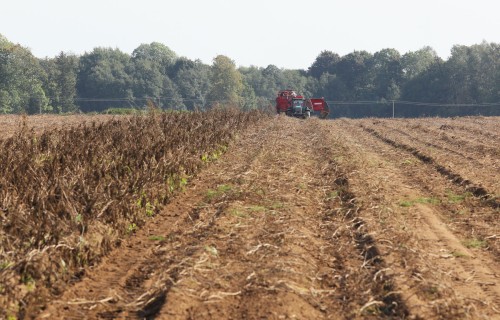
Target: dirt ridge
x: 470, y: 186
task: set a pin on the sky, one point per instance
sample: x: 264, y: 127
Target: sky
x: 289, y: 34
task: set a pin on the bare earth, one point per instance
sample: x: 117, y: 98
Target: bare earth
x: 316, y: 219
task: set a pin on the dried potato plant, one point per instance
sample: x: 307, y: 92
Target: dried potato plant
x: 67, y: 196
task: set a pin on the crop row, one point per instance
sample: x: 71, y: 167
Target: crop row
x: 67, y: 196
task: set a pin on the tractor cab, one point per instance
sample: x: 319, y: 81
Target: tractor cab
x: 299, y: 108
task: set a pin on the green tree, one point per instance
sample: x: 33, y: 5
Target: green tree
x: 21, y: 87
x: 388, y: 74
x: 332, y: 88
x: 354, y: 71
x: 273, y: 81
x: 474, y: 72
x: 263, y: 88
x: 192, y: 79
x: 159, y: 54
x: 171, y: 98
x: 414, y: 63
x: 146, y: 79
x: 226, y: 82
x: 60, y: 81
x: 297, y: 80
x: 103, y: 80
x: 253, y: 77
x: 431, y: 85
x: 326, y: 62
x: 249, y: 100
x: 149, y: 72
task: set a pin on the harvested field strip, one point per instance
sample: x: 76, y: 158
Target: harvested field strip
x: 487, y: 221
x: 470, y: 186
x: 272, y: 232
x: 419, y: 137
x: 386, y: 300
x: 268, y: 248
x: 474, y: 140
x: 438, y: 274
x: 469, y: 130
x: 465, y: 146
x: 477, y: 219
x: 69, y: 195
x: 485, y: 122
x: 474, y: 165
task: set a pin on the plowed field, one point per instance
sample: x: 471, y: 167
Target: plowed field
x: 317, y: 219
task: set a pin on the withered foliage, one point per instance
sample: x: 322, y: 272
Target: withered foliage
x: 67, y: 196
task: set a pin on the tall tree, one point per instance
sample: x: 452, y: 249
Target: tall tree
x: 60, y: 81
x: 354, y: 70
x: 148, y: 70
x: 158, y: 53
x: 226, y: 85
x: 431, y: 85
x: 192, y: 79
x: 332, y: 88
x: 171, y: 98
x: 297, y: 80
x: 326, y: 62
x: 416, y: 62
x: 249, y: 100
x: 474, y: 72
x: 21, y: 87
x: 146, y: 79
x: 273, y: 80
x: 103, y: 76
x: 388, y: 74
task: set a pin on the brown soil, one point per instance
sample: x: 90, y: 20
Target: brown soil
x: 314, y: 220
x: 427, y: 224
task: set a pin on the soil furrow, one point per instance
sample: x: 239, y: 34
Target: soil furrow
x: 275, y: 247
x: 431, y: 263
x: 439, y: 137
x: 259, y: 258
x: 475, y: 218
x: 468, y: 185
x: 468, y: 130
x: 478, y: 169
x: 420, y: 138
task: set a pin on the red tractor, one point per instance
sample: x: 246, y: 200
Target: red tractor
x: 294, y: 105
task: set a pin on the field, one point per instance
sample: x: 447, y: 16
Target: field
x: 10, y: 124
x: 228, y: 215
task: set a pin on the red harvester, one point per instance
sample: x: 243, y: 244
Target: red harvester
x: 294, y: 105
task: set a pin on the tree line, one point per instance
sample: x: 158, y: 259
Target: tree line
x: 109, y: 78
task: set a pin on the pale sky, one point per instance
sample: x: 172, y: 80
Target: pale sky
x: 289, y: 34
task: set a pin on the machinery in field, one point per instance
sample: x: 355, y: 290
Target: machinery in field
x: 294, y: 105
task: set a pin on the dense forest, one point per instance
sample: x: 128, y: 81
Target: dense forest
x: 357, y: 84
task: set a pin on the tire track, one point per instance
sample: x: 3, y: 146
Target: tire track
x: 286, y: 260
x: 420, y: 137
x: 483, y: 224
x: 433, y: 267
x: 385, y: 293
x: 254, y: 228
x: 474, y: 188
